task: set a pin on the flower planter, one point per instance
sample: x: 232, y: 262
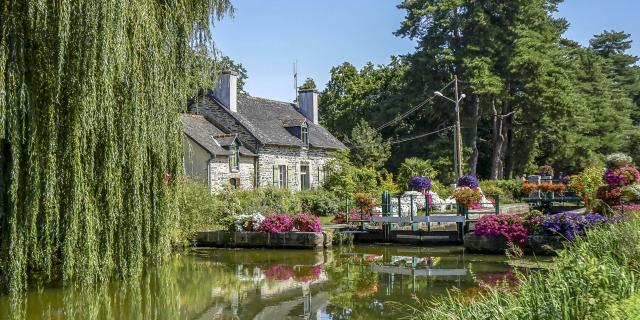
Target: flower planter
x: 241, y: 239
x: 485, y: 244
x: 538, y: 244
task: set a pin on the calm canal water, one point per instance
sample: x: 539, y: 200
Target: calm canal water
x: 359, y: 282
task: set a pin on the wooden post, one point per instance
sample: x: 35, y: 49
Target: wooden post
x: 386, y: 206
x: 497, y: 205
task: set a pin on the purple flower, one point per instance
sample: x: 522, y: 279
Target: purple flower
x: 421, y: 184
x: 468, y: 181
x: 570, y: 224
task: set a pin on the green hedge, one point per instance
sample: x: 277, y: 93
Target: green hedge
x: 590, y: 280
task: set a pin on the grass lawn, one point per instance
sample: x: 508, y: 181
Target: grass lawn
x: 326, y: 220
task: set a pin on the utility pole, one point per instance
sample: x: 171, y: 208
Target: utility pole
x: 458, y: 131
x: 457, y: 135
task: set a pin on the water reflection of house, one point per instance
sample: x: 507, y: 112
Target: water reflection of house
x: 290, y: 300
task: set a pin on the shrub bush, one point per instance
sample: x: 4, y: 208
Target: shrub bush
x: 570, y: 225
x: 273, y: 199
x: 276, y: 223
x: 341, y: 216
x: 443, y: 191
x: 509, y: 226
x: 319, y: 201
x: 586, y: 184
x: 590, y: 276
x: 198, y: 210
x: 306, y: 222
x: 466, y: 196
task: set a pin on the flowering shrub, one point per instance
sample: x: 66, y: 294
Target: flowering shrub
x: 341, y: 216
x: 306, y: 222
x: 570, y: 224
x: 553, y: 187
x: 627, y: 208
x: 509, y: 226
x: 247, y: 222
x: 545, y: 170
x: 364, y: 202
x: 276, y: 223
x: 616, y: 160
x: 621, y: 176
x: 610, y: 195
x: 586, y: 184
x: 468, y: 181
x: 422, y: 184
x: 533, y: 222
x: 279, y: 272
x: 528, y: 187
x: 467, y: 197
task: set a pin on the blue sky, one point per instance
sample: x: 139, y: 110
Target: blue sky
x: 268, y: 36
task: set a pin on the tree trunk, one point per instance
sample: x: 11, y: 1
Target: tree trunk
x: 473, y: 134
x: 498, y: 142
x: 510, y: 153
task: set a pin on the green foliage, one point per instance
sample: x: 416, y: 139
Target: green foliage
x: 387, y: 183
x: 444, y: 191
x: 587, y: 183
x: 90, y: 141
x: 412, y: 167
x: 530, y: 94
x: 626, y: 309
x: 225, y: 63
x: 309, y: 83
x: 198, y: 210
x: 367, y: 146
x: 589, y: 277
x: 319, y: 202
x: 273, y: 200
x: 344, y: 178
x: 510, y: 191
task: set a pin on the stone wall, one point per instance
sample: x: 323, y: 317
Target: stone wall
x: 271, y: 157
x: 300, y: 240
x: 221, y: 173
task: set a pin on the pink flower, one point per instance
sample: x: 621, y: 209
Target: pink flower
x: 306, y: 222
x: 276, y: 223
x: 502, y: 225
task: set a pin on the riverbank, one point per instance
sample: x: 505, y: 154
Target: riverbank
x: 593, y: 278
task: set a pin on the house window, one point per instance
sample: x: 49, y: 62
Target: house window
x: 305, y: 182
x: 280, y: 176
x: 235, y: 183
x: 234, y: 158
x: 304, y: 135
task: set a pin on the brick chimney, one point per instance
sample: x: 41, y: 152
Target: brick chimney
x: 226, y: 90
x: 308, y: 104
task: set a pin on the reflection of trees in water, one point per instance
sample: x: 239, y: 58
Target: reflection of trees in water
x: 176, y: 289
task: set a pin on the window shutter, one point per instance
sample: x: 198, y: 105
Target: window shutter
x: 275, y: 175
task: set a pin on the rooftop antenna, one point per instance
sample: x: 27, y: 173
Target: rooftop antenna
x: 295, y: 81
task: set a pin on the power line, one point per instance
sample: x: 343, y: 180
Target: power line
x: 412, y: 110
x: 398, y: 141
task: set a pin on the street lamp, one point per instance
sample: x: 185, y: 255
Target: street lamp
x: 458, y: 135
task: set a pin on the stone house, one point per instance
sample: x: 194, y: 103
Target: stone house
x: 248, y: 142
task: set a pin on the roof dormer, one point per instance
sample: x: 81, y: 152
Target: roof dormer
x: 299, y: 128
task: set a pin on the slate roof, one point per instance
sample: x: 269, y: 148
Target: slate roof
x: 267, y: 120
x: 208, y: 136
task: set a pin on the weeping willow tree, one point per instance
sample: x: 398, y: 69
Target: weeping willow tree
x: 90, y: 143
